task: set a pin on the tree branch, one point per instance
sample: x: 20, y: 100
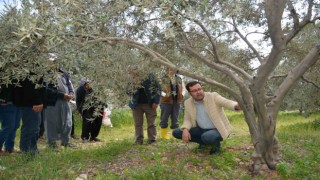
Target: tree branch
x: 294, y: 15
x: 247, y: 42
x: 298, y: 26
x: 296, y: 73
x: 216, y: 66
x: 310, y: 82
x: 216, y: 56
x: 162, y: 60
x: 274, y: 11
x: 214, y: 52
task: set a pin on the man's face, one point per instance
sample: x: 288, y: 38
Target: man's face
x: 170, y: 72
x: 87, y: 85
x: 196, y: 92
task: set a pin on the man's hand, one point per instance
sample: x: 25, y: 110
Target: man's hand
x: 237, y: 107
x: 186, y: 135
x: 67, y: 97
x: 37, y: 108
x: 154, y: 106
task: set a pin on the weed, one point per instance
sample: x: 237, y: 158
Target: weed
x: 282, y: 168
x: 316, y: 124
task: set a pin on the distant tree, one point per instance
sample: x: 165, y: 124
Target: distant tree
x: 205, y: 40
x: 305, y: 96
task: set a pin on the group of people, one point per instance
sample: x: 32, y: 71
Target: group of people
x: 50, y: 102
x: 204, y: 120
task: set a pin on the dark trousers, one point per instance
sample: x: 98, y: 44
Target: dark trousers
x: 41, y: 131
x: 72, y: 130
x: 201, y: 136
x: 172, y: 111
x: 29, y: 130
x: 151, y: 115
x: 90, y: 125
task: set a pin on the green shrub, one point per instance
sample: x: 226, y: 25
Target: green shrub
x: 316, y: 124
x: 282, y: 168
x: 120, y: 117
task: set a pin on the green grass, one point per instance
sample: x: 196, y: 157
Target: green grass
x: 118, y: 158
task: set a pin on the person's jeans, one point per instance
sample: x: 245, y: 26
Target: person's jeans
x: 201, y: 136
x: 29, y: 130
x: 7, y: 119
x: 9, y: 143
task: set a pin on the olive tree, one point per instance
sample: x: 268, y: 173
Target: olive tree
x: 201, y: 39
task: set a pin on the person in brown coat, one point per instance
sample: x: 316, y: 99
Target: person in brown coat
x: 171, y: 100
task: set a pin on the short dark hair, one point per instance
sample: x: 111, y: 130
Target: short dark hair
x: 190, y: 84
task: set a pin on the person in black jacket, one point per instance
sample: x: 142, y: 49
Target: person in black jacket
x: 91, y: 124
x: 30, y: 100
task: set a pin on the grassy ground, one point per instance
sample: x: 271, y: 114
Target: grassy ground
x: 118, y: 158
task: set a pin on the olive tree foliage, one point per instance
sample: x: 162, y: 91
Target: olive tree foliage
x: 207, y: 40
x: 305, y: 96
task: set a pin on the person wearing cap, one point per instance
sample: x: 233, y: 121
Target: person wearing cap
x: 58, y: 113
x: 87, y: 105
x: 205, y: 122
x: 145, y: 97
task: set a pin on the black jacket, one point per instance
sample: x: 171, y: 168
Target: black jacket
x: 81, y: 95
x: 52, y: 95
x: 6, y: 93
x: 27, y: 95
x: 80, y: 98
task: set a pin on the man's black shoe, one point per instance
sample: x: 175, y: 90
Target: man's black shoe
x: 69, y: 145
x: 95, y: 139
x: 201, y: 147
x: 138, y: 143
x: 214, y: 151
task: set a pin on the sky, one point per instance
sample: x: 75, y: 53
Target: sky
x: 7, y: 2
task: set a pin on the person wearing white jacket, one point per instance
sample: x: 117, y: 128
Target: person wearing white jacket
x: 204, y: 119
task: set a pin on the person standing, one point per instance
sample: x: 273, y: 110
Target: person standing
x: 58, y: 113
x: 170, y: 102
x: 9, y: 118
x: 30, y: 101
x: 145, y: 97
x: 204, y: 119
x: 91, y: 124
